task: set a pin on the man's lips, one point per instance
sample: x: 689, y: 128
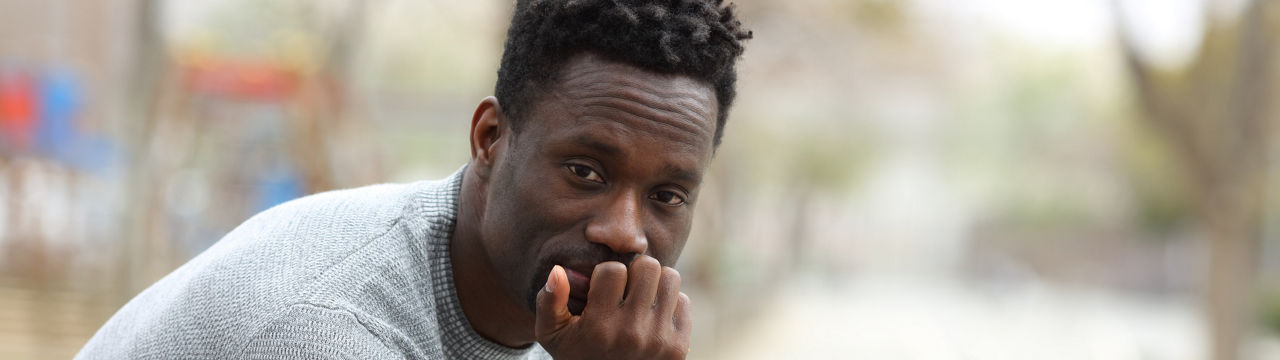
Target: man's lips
x: 579, y: 283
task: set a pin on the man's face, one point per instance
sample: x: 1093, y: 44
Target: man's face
x: 605, y: 166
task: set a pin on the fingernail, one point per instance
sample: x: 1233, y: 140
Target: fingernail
x: 551, y: 282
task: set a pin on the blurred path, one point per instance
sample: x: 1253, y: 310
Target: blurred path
x: 39, y: 322
x: 884, y: 317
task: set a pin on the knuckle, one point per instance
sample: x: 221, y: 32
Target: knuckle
x: 677, y: 352
x: 646, y: 262
x: 671, y: 352
x: 673, y: 348
x: 679, y: 347
x: 609, y: 268
x: 633, y: 338
x: 680, y: 342
x: 671, y: 276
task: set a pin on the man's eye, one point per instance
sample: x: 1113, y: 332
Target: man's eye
x: 668, y: 198
x: 585, y: 173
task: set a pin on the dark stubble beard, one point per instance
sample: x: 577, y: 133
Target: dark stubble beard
x: 538, y: 279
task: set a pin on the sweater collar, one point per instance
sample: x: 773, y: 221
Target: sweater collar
x: 438, y: 205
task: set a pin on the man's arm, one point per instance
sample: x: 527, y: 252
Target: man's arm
x: 313, y: 332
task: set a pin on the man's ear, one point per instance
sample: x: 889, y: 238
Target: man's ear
x: 489, y: 128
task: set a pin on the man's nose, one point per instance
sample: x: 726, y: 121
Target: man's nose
x: 620, y: 226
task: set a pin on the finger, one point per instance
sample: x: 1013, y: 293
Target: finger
x: 683, y: 318
x: 553, y: 304
x: 679, y: 336
x: 608, y: 281
x: 668, y: 293
x: 642, y: 283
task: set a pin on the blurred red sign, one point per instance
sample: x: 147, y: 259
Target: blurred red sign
x: 243, y: 80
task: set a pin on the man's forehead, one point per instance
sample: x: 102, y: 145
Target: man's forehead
x: 590, y: 72
x: 673, y: 107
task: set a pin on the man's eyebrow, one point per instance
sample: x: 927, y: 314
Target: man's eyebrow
x: 682, y: 174
x: 597, y: 145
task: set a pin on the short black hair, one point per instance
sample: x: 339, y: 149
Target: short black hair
x: 701, y: 39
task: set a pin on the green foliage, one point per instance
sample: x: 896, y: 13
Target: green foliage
x: 884, y: 15
x: 1268, y: 311
x: 1162, y: 199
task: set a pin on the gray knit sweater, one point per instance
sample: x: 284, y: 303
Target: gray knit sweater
x: 352, y: 274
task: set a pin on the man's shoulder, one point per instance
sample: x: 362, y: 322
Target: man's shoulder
x: 293, y: 253
x: 302, y: 240
x: 369, y: 207
x: 341, y: 215
x: 303, y: 237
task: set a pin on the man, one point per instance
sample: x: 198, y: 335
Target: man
x: 555, y: 240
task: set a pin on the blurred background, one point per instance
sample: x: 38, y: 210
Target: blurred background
x: 916, y: 179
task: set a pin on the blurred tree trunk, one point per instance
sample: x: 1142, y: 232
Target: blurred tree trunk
x: 144, y: 81
x: 1214, y: 115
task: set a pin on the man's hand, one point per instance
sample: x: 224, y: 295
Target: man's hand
x: 652, y: 321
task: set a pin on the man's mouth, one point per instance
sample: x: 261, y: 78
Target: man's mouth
x: 579, y: 287
x: 579, y: 282
x: 579, y: 263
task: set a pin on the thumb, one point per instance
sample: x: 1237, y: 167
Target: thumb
x: 553, y: 304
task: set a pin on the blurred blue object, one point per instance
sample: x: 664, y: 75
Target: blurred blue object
x: 59, y: 104
x: 279, y: 185
x: 58, y: 136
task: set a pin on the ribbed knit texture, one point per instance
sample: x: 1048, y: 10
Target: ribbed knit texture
x: 353, y: 274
